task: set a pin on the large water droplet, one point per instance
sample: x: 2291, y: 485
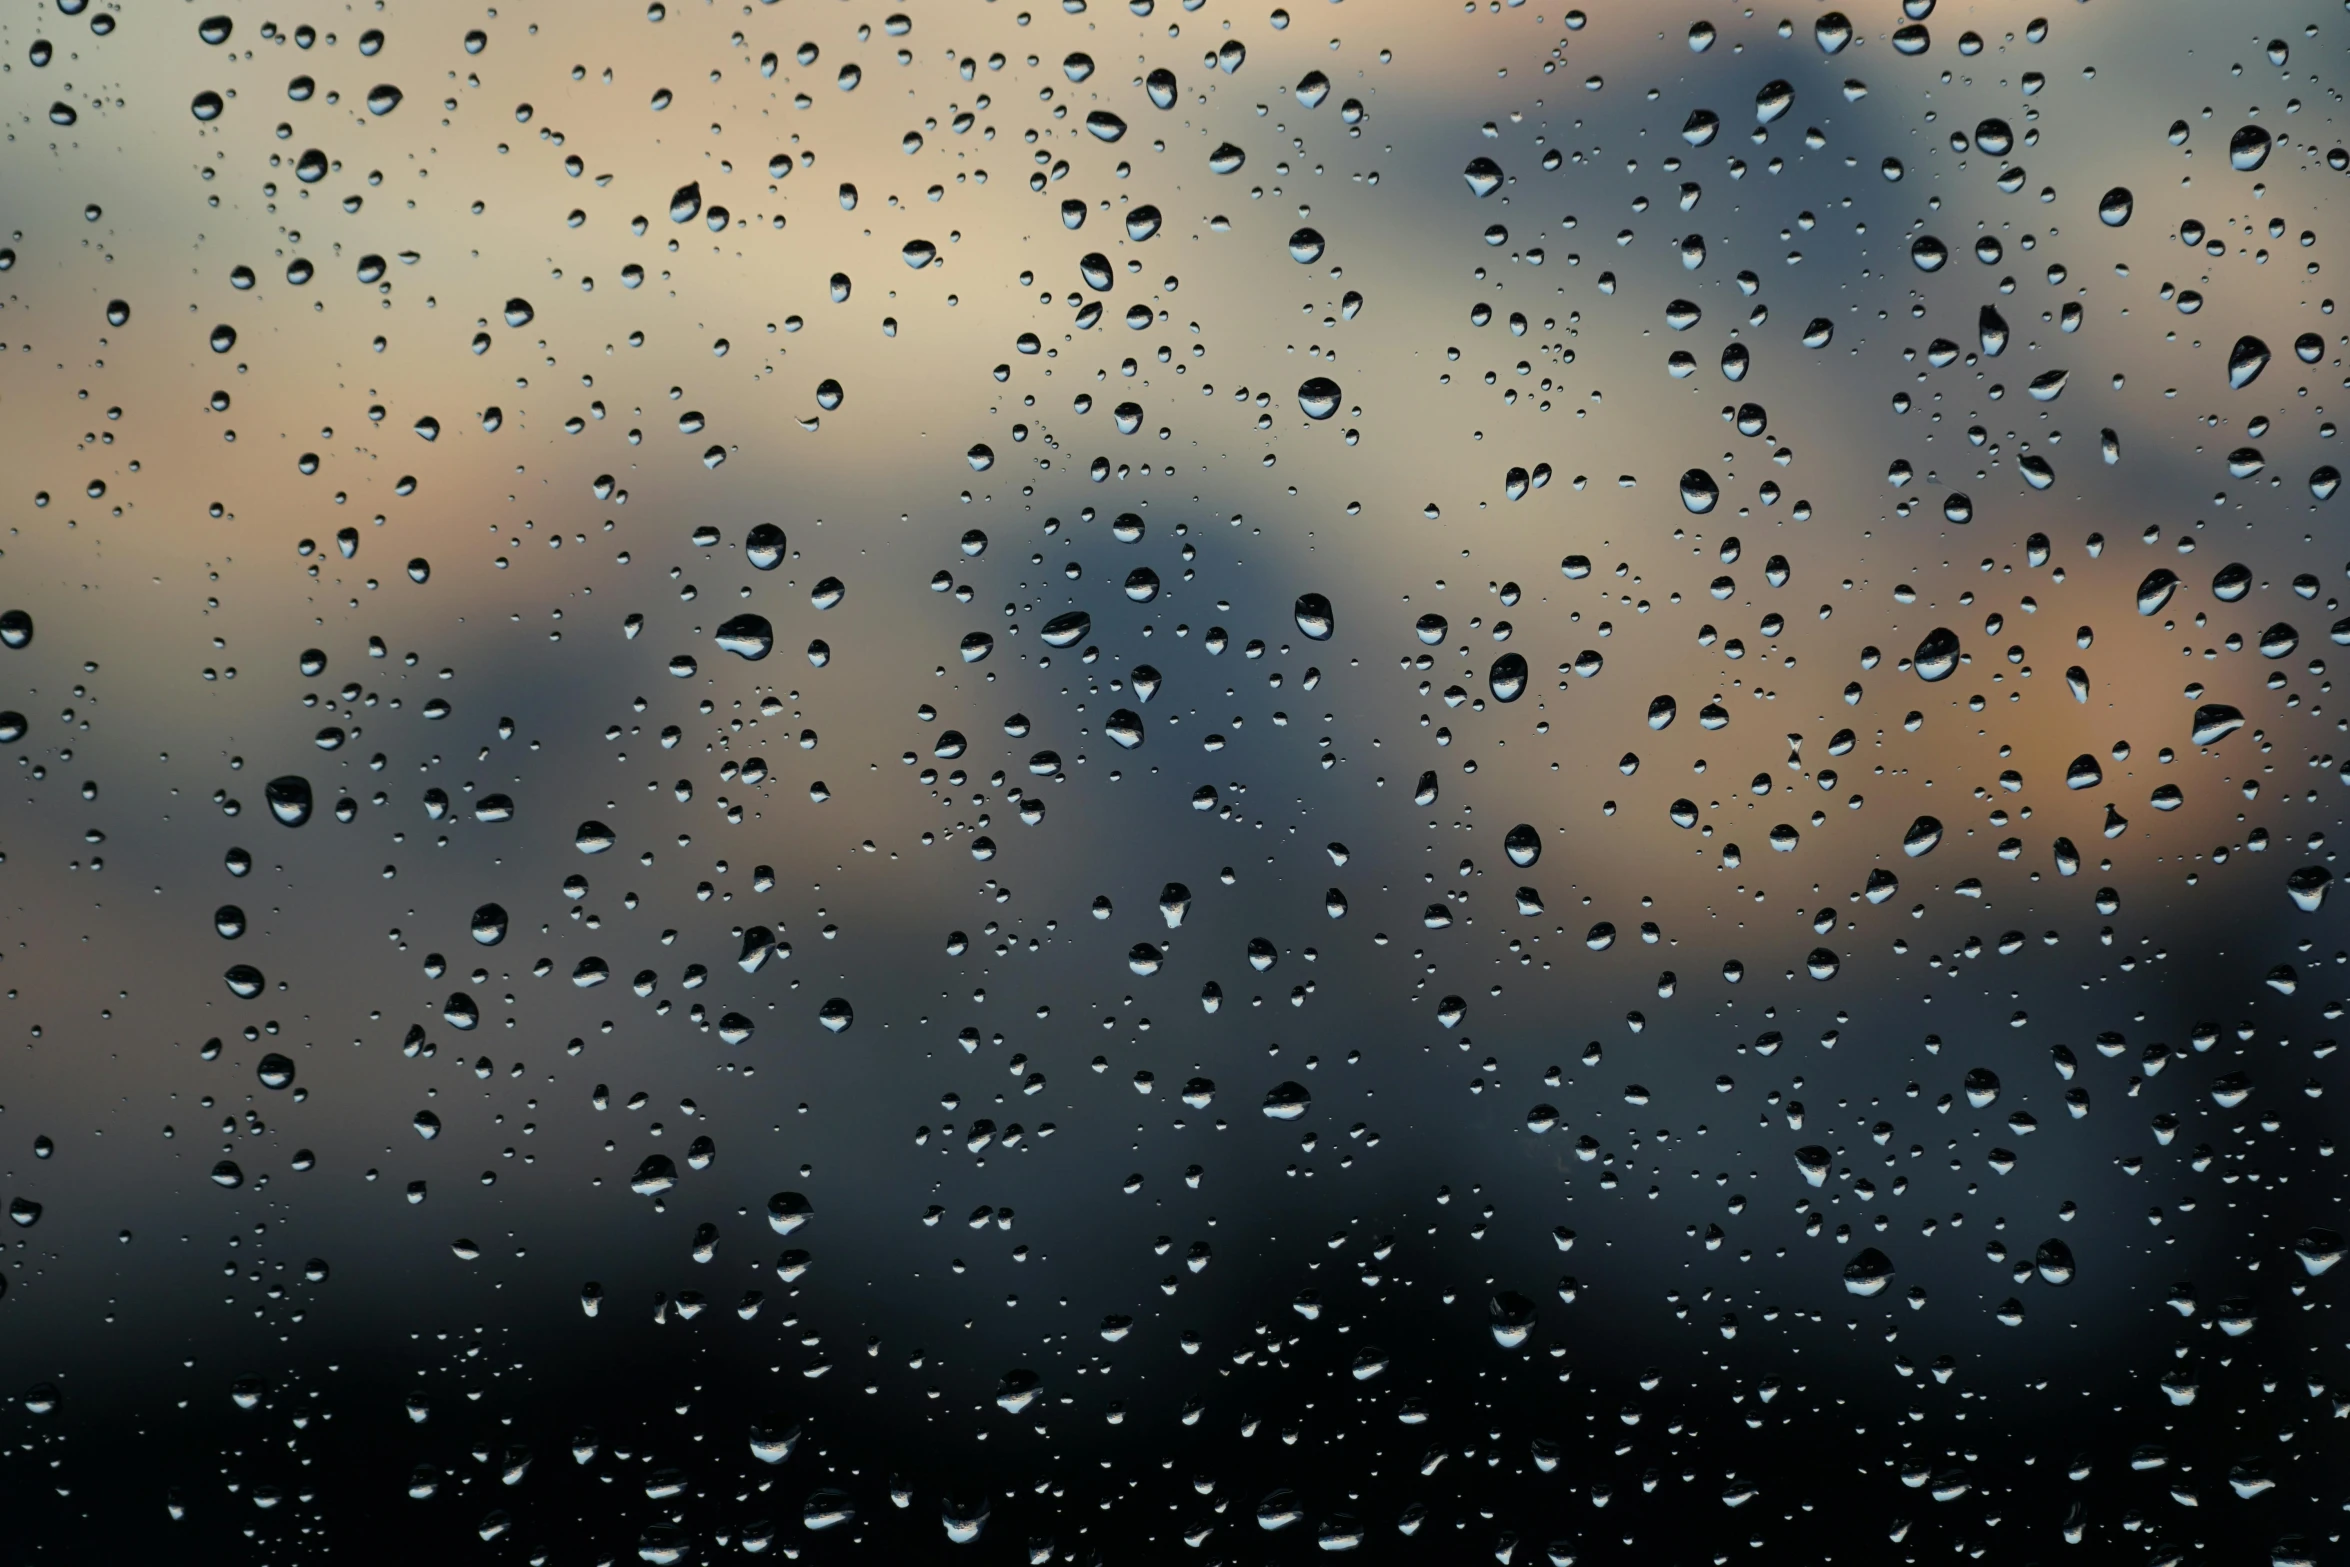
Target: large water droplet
x: 2248, y: 148
x: 289, y: 799
x: 1318, y: 396
x: 1065, y: 629
x: 1868, y: 1273
x: 1699, y: 493
x: 747, y: 635
x: 1512, y: 1318
x: 1507, y: 678
x: 1286, y: 1101
x: 2155, y: 590
x: 1937, y: 654
x: 2245, y: 361
x: 1315, y: 618
x: 2215, y: 721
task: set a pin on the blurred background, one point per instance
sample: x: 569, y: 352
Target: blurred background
x: 1418, y: 1023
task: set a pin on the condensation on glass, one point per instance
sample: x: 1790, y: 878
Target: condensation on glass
x: 1484, y: 782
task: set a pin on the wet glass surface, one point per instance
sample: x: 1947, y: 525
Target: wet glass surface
x: 1057, y: 784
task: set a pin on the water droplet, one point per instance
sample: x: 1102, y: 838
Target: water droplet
x: 2245, y: 361
x: 2215, y: 721
x: 1699, y: 493
x: 1868, y: 1273
x: 2318, y: 1249
x: 2115, y: 206
x: 1484, y: 176
x: 1314, y: 617
x: 1286, y: 1101
x: 1318, y: 396
x: 827, y: 1510
x: 1937, y: 655
x: 763, y: 546
x: 2307, y: 887
x: 1507, y: 678
x: 747, y: 635
x: 2155, y: 590
x: 2248, y: 149
x: 1511, y: 1318
x: 289, y: 799
x: 686, y: 204
x: 1065, y: 629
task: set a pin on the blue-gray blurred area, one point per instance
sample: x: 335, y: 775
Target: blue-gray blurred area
x: 1057, y: 784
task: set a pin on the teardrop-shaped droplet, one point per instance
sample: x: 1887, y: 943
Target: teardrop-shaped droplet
x: 2245, y: 361
x: 1315, y: 618
x: 2115, y: 206
x: 1991, y: 330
